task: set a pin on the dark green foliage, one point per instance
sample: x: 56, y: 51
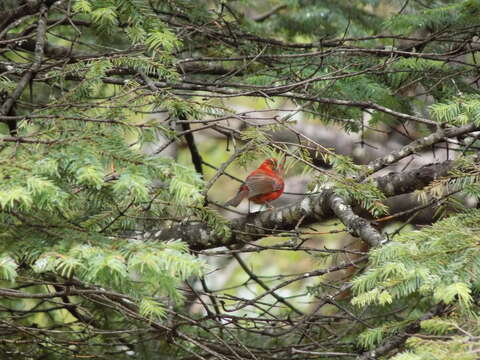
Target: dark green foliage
x: 83, y: 268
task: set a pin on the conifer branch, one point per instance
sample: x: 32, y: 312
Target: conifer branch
x: 396, y: 183
x: 417, y: 145
x: 312, y: 208
x: 269, y: 13
x: 108, y: 78
x: 356, y: 225
x: 227, y: 90
x: 397, y: 341
x: 39, y: 53
x: 30, y: 8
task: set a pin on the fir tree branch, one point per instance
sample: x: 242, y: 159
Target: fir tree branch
x: 396, y: 183
x: 219, y: 90
x: 397, y: 341
x: 30, y: 8
x: 417, y: 145
x: 356, y: 225
x: 311, y: 209
x: 251, y: 228
x: 39, y: 53
x: 59, y: 52
x: 260, y: 282
x: 451, y: 56
x: 269, y: 13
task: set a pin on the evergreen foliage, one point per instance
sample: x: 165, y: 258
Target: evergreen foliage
x: 106, y: 246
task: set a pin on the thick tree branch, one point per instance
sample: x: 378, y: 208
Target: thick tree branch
x: 192, y: 146
x: 356, y: 225
x: 251, y: 228
x: 396, y: 183
x: 311, y: 209
x: 417, y: 145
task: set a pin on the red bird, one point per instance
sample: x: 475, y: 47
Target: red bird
x: 262, y: 185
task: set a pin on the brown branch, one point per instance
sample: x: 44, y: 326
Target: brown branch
x: 396, y: 183
x: 312, y: 208
x: 307, y: 275
x: 440, y: 135
x: 397, y: 341
x: 31, y: 7
x: 356, y: 225
x: 259, y: 281
x: 39, y: 53
x: 217, y: 90
x: 269, y: 13
x: 24, y: 140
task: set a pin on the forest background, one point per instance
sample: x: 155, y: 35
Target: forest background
x: 125, y: 125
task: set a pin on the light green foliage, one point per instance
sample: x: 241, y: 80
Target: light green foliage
x: 458, y: 291
x: 438, y: 326
x: 133, y: 185
x: 372, y: 337
x: 458, y: 111
x: 105, y: 17
x: 341, y: 164
x: 6, y: 84
x: 164, y: 39
x: 433, y: 261
x: 458, y: 13
x: 83, y: 6
x: 71, y: 209
x: 366, y: 194
x: 138, y: 268
x: 90, y: 175
x: 15, y: 196
x: 152, y: 309
x: 79, y: 197
x: 437, y: 265
x: 374, y: 296
x: 456, y: 347
x: 8, y: 268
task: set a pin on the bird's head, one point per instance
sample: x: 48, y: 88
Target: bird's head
x: 273, y: 165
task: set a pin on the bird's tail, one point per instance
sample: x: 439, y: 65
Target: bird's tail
x: 242, y: 194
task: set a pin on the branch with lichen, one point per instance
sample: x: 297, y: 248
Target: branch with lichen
x: 313, y: 208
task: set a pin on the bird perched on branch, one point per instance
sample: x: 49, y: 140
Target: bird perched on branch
x: 262, y: 185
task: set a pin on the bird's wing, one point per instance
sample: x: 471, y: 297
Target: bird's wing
x: 261, y: 183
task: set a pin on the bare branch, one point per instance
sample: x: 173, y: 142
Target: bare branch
x: 39, y: 52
